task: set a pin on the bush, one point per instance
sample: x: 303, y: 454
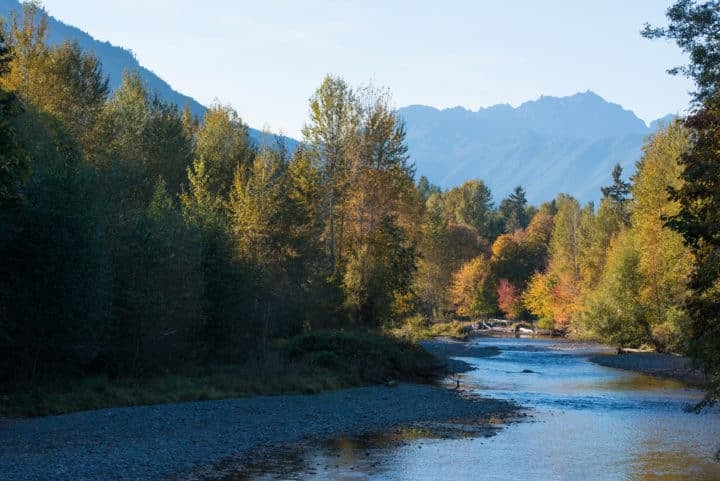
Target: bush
x: 368, y: 357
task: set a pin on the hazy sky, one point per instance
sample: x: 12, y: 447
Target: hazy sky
x: 266, y: 58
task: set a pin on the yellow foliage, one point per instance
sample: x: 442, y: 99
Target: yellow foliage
x: 538, y: 299
x: 470, y: 291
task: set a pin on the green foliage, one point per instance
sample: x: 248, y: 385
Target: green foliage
x: 331, y: 134
x: 53, y: 252
x: 377, y: 271
x: 471, y: 204
x: 260, y: 211
x: 145, y: 137
x: 144, y: 242
x: 62, y: 80
x: 697, y: 221
x: 436, y: 262
x: 597, y: 230
x: 226, y: 285
x: 75, y: 90
x: 695, y: 27
x: 418, y: 327
x: 617, y: 196
x: 513, y: 210
x: 158, y: 293
x: 14, y: 162
x: 223, y: 145
x: 167, y: 146
x: 613, y: 311
x: 369, y: 205
x: 426, y: 189
x: 261, y: 214
x: 665, y: 262
x: 366, y: 357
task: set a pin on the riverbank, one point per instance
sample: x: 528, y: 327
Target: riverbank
x: 655, y: 364
x: 158, y: 442
x: 446, y: 349
x: 306, y: 364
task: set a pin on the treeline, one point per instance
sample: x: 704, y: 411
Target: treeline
x: 612, y: 272
x: 617, y: 274
x: 135, y: 238
x: 643, y: 268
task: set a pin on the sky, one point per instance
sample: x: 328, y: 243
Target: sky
x: 266, y: 58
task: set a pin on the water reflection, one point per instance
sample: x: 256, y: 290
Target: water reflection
x: 589, y: 423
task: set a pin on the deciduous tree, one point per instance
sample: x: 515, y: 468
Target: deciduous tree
x: 472, y: 290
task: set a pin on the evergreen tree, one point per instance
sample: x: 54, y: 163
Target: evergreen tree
x: 166, y: 145
x: 513, y: 210
x: 617, y: 195
x: 426, y: 189
x: 158, y: 289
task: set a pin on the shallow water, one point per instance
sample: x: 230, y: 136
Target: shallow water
x: 588, y: 422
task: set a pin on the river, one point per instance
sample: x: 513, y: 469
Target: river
x: 586, y: 422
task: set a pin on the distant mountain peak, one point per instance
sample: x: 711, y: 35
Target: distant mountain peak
x: 548, y: 145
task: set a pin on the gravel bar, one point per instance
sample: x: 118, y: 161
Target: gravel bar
x: 655, y: 364
x: 158, y: 442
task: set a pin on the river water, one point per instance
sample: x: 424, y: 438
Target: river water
x: 586, y: 422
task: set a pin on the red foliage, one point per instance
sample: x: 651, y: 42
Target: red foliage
x: 508, y: 299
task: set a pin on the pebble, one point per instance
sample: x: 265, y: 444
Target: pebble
x: 171, y: 441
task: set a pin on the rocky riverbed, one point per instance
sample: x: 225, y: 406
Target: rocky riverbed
x: 176, y: 441
x: 655, y: 364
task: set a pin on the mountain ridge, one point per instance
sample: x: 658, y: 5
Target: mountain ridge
x: 548, y: 145
x: 116, y: 60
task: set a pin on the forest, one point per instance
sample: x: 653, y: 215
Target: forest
x: 136, y: 239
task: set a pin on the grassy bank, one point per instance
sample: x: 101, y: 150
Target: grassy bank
x: 310, y: 363
x: 419, y: 328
